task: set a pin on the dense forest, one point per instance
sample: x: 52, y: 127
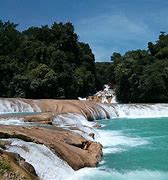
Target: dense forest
x: 141, y: 76
x: 50, y: 62
x: 45, y: 62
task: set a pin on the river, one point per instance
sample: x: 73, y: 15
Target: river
x: 134, y: 149
x: 135, y: 144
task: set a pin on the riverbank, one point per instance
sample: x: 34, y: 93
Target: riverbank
x: 60, y: 125
x: 65, y: 129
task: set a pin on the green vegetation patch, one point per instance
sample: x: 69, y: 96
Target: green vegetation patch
x: 4, y: 167
x: 45, y: 62
x: 51, y: 62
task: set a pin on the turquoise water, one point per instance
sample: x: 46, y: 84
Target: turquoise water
x: 134, y: 149
x: 16, y: 114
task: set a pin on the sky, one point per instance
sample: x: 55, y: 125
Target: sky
x: 107, y: 25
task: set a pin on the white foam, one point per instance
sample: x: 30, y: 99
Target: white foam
x: 78, y: 121
x: 116, y: 141
x: 112, y: 141
x: 47, y: 165
x: 110, y: 110
x: 99, y: 174
x: 11, y: 121
x: 113, y: 150
x: 72, y: 118
x: 114, y: 99
x: 114, y: 138
x: 136, y: 110
x: 10, y: 106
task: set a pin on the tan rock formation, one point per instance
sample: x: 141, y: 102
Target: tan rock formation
x: 44, y: 118
x: 71, y: 147
x: 91, y: 110
x: 12, y: 166
x: 74, y: 149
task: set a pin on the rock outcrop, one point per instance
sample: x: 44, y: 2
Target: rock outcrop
x: 91, y: 110
x: 13, y: 166
x: 73, y: 148
x: 106, y: 95
x: 45, y: 117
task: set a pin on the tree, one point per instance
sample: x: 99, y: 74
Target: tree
x: 41, y: 61
x: 10, y: 38
x: 85, y: 82
x: 141, y: 75
x: 43, y: 82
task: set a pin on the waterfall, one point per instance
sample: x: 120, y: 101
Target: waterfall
x: 76, y: 123
x: 114, y: 99
x: 12, y: 121
x: 48, y: 165
x: 136, y: 110
x: 97, y: 111
x: 12, y: 106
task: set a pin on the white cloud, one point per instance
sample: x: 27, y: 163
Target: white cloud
x: 109, y: 33
x: 118, y: 23
x: 102, y: 53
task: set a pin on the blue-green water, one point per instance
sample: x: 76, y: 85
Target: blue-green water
x: 16, y: 114
x: 146, y: 146
x: 134, y: 149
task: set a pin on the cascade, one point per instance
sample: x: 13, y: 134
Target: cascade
x: 12, y: 106
x: 76, y: 123
x: 48, y: 165
x: 136, y: 110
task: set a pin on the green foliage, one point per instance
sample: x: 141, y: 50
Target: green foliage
x: 141, y: 76
x: 4, y: 167
x: 42, y: 62
x: 10, y: 38
x: 42, y: 79
x: 85, y: 81
x: 104, y: 74
x: 50, y: 62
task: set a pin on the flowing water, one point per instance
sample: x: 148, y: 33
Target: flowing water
x: 47, y: 165
x: 134, y: 149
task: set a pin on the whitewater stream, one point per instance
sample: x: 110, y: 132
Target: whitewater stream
x: 134, y: 149
x: 135, y: 145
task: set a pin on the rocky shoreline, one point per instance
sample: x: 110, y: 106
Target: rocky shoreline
x: 13, y: 166
x: 73, y: 148
x: 46, y: 128
x: 63, y: 130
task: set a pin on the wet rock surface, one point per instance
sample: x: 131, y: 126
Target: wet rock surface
x: 73, y: 148
x: 69, y: 145
x: 14, y: 167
